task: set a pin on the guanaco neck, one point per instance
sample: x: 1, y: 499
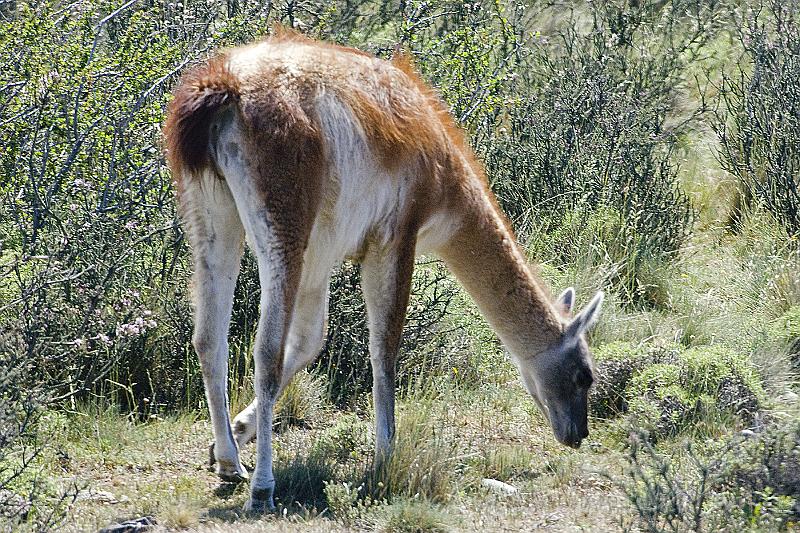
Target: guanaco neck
x: 484, y: 256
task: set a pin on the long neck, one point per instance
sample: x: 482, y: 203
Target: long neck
x: 484, y: 256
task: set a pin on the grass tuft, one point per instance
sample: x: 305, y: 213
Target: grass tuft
x: 420, y: 465
x: 301, y: 402
x: 414, y: 517
x: 183, y: 514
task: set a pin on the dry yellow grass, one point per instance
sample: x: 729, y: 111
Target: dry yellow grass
x: 159, y: 469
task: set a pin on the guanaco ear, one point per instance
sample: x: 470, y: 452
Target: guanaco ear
x: 586, y: 318
x: 565, y: 300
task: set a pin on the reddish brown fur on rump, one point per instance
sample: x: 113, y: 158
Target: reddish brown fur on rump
x: 201, y: 92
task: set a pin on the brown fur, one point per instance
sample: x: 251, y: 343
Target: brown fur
x: 405, y: 122
x: 200, y: 94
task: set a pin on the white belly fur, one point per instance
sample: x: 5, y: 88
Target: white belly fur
x: 361, y: 199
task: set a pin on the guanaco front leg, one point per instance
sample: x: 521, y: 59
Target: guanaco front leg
x: 386, y: 282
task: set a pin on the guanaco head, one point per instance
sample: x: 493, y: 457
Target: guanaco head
x: 559, y: 379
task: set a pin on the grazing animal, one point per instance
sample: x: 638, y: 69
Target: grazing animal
x: 314, y: 153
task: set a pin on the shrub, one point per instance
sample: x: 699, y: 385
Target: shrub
x: 706, y: 382
x: 765, y: 471
x: 616, y: 363
x: 345, y: 359
x: 749, y: 483
x: 727, y: 376
x: 659, y: 404
x: 93, y: 263
x: 666, y: 390
x: 94, y: 267
x: 347, y: 439
x: 758, y: 124
x: 586, y: 146
x: 25, y: 499
x: 615, y: 366
x: 665, y: 496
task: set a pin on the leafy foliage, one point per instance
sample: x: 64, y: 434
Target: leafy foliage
x: 667, y: 390
x: 587, y: 143
x: 345, y: 359
x: 749, y: 483
x: 759, y: 123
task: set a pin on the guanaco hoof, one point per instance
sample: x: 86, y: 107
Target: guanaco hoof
x: 260, y: 501
x: 233, y: 477
x: 229, y: 475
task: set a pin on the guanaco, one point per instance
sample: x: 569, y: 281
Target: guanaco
x: 314, y: 153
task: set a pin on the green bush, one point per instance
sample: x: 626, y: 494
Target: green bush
x: 658, y: 402
x: 94, y: 265
x: 347, y: 439
x: 703, y: 384
x: 759, y: 124
x: 750, y: 483
x: 615, y: 365
x: 725, y: 375
x: 345, y: 359
x: 666, y: 389
x: 586, y: 145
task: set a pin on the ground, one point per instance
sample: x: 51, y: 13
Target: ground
x: 126, y: 470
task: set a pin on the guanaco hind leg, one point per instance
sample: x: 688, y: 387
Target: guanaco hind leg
x: 304, y: 343
x: 277, y: 224
x: 216, y: 236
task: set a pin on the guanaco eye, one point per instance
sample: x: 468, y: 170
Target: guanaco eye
x: 584, y: 378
